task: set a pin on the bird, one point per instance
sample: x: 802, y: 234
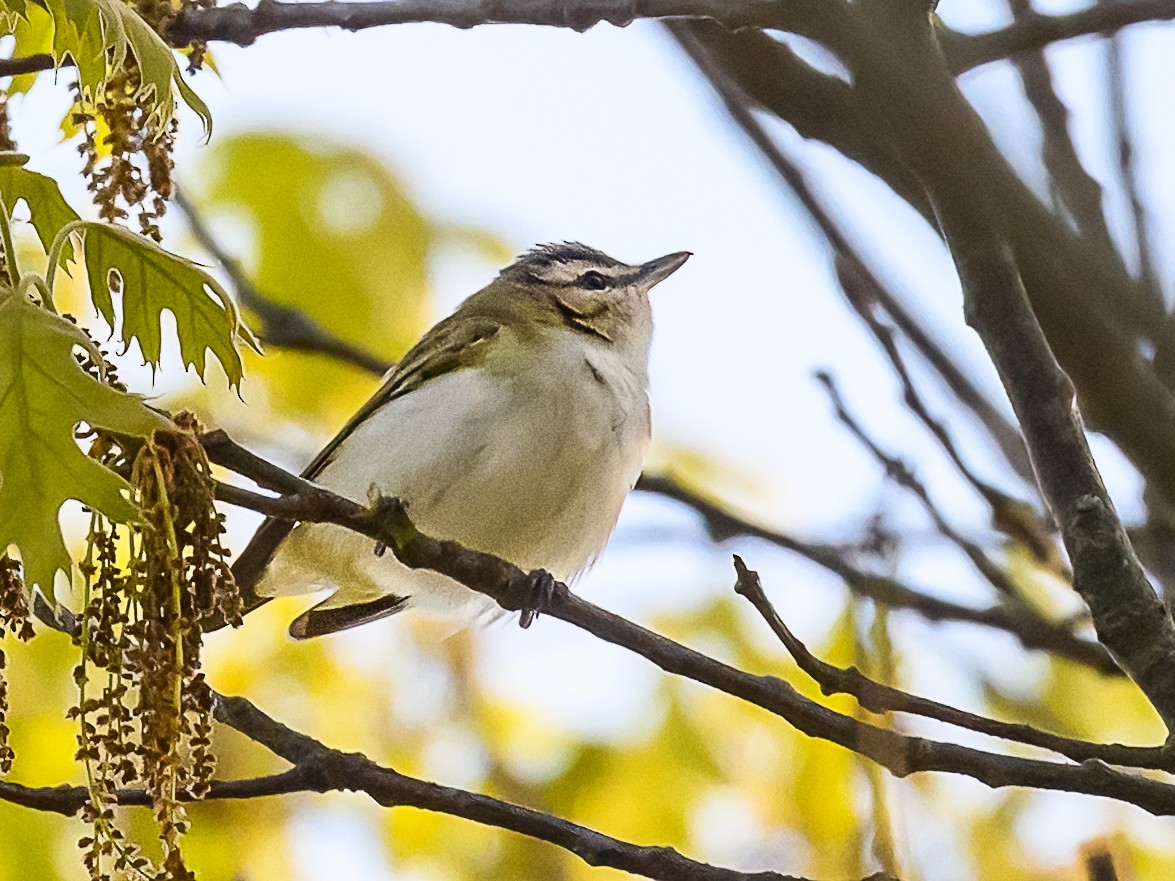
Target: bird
x: 516, y: 426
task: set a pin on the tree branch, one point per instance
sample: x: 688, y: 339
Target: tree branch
x: 25, y: 64
x: 917, y: 94
x: 318, y: 768
x: 325, y: 769
x: 907, y: 122
x: 1130, y: 619
x: 904, y: 476
x: 861, y: 287
x: 242, y: 25
x: 1035, y: 31
x: 1032, y: 632
x: 281, y: 325
x: 1072, y: 184
x: 386, y: 522
x: 878, y: 698
x: 239, y: 24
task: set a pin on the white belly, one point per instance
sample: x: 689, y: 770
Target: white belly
x: 532, y: 467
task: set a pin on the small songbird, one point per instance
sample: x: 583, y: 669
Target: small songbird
x: 516, y: 427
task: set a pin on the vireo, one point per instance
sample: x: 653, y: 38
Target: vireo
x: 516, y: 426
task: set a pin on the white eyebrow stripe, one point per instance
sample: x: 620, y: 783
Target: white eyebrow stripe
x: 570, y: 271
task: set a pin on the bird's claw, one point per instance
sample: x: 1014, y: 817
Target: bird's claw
x: 540, y: 586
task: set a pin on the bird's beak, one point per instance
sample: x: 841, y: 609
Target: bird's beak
x: 656, y: 271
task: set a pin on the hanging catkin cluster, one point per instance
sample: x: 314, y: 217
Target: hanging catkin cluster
x: 14, y: 619
x: 127, y: 152
x: 145, y: 710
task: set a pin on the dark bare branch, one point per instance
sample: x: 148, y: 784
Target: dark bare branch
x: 318, y: 768
x: 324, y: 769
x: 1032, y: 632
x: 25, y: 64
x: 860, y: 285
x: 386, y: 521
x: 901, y: 473
x: 879, y: 698
x: 904, y: 111
x: 820, y: 106
x: 1129, y: 618
x: 1128, y: 176
x: 1034, y: 31
x: 242, y: 25
x: 282, y: 326
x: 1072, y: 185
x: 1012, y: 516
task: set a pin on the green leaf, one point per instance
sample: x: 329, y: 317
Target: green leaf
x: 50, y: 212
x: 32, y: 27
x: 44, y: 395
x: 9, y: 11
x: 98, y: 34
x: 152, y: 280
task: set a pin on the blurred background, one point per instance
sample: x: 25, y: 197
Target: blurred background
x: 374, y: 180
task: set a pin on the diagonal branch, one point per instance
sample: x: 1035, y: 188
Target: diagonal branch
x: 904, y: 476
x: 326, y: 769
x: 281, y: 325
x: 1033, y: 632
x: 903, y: 96
x: 1077, y: 189
x: 1128, y: 170
x: 1036, y: 31
x: 1129, y: 618
x: 878, y: 698
x: 387, y: 523
x: 861, y: 287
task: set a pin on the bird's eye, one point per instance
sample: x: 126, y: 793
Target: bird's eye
x: 593, y: 281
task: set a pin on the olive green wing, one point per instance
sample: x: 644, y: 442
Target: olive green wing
x: 450, y: 345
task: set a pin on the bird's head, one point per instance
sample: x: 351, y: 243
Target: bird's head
x: 589, y: 292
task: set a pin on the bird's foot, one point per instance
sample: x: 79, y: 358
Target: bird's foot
x: 540, y: 587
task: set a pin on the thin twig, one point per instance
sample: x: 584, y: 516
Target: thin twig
x: 1119, y: 118
x: 1078, y: 189
x: 281, y: 325
x: 916, y: 92
x: 1075, y: 188
x: 904, y: 476
x: 879, y: 698
x: 1012, y: 516
x: 861, y: 286
x: 906, y: 95
x: 1032, y: 632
